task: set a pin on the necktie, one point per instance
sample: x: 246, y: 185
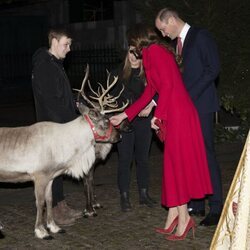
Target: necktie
x: 179, y: 46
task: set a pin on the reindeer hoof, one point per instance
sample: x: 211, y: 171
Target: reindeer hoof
x: 97, y: 206
x: 42, y: 233
x: 1, y: 235
x: 61, y: 231
x: 87, y: 214
x: 48, y: 237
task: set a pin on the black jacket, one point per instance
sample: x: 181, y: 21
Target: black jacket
x: 51, y: 88
x: 133, y: 87
x: 201, y: 69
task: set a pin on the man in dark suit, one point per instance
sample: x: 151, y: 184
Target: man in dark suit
x: 54, y: 102
x: 200, y: 69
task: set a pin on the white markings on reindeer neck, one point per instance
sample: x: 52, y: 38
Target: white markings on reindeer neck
x: 81, y: 164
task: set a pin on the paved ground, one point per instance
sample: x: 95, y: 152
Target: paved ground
x: 111, y: 229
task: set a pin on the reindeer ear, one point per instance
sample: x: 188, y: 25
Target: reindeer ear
x: 83, y: 109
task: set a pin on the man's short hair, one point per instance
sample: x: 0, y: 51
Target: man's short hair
x: 58, y: 33
x: 166, y: 13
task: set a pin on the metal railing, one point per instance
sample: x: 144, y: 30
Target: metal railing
x: 16, y: 68
x: 100, y: 59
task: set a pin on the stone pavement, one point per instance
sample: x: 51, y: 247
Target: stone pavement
x: 111, y: 229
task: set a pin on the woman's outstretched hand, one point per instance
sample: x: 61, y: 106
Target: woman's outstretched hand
x: 117, y: 119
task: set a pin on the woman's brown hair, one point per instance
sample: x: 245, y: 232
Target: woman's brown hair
x: 126, y: 72
x: 143, y: 36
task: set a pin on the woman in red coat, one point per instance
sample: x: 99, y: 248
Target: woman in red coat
x: 185, y: 170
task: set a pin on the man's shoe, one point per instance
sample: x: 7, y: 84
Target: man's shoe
x: 210, y: 220
x: 195, y: 212
x: 76, y: 214
x: 61, y: 218
x: 124, y: 202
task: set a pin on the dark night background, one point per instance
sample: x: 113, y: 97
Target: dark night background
x: 99, y: 39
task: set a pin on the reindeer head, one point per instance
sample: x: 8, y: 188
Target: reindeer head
x: 103, y: 104
x: 100, y: 125
x: 101, y: 100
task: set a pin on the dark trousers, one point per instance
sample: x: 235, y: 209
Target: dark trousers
x: 57, y: 190
x: 215, y: 200
x: 135, y: 145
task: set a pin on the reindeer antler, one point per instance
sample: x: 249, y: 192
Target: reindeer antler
x: 81, y: 90
x: 105, y: 100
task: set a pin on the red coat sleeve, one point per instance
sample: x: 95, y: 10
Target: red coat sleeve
x: 138, y: 105
x: 162, y: 74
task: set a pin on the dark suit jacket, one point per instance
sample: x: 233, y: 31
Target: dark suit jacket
x: 200, y: 69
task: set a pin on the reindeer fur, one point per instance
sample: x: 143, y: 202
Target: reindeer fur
x: 43, y: 151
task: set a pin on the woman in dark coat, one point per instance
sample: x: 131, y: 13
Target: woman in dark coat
x: 135, y: 145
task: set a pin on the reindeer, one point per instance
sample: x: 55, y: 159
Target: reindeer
x: 45, y: 150
x: 105, y: 103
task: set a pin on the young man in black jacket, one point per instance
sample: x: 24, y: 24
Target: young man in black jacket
x: 54, y: 102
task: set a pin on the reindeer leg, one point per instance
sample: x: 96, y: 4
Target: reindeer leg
x: 51, y: 225
x: 95, y: 204
x: 40, y: 185
x: 1, y: 234
x: 88, y: 191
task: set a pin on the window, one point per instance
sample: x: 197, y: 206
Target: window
x: 90, y: 10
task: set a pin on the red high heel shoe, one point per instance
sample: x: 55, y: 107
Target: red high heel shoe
x: 190, y: 225
x: 168, y: 230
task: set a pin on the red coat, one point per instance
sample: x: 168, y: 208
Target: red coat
x: 185, y: 170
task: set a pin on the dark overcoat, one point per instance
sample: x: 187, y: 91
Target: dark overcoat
x: 51, y: 88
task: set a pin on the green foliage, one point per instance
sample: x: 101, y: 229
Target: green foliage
x: 224, y: 134
x: 229, y: 22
